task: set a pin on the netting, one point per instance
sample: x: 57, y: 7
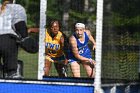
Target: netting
x: 119, y: 43
x: 120, y: 57
x: 68, y: 13
x: 39, y: 15
x: 30, y: 61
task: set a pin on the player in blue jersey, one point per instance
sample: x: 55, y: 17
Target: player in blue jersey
x: 80, y: 52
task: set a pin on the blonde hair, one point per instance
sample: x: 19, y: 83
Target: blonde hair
x: 3, y: 6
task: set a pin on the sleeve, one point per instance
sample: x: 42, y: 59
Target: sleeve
x: 21, y: 29
x: 19, y: 14
x: 19, y: 19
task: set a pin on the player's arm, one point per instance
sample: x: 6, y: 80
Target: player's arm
x: 62, y: 42
x: 74, y: 48
x: 19, y: 20
x: 21, y: 29
x: 91, y: 39
x: 19, y: 25
x: 33, y: 30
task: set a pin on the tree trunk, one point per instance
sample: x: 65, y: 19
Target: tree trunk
x: 66, y: 14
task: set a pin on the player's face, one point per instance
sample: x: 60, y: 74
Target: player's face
x: 79, y: 32
x: 55, y: 28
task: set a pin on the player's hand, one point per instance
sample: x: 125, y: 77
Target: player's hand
x: 62, y: 41
x: 66, y: 61
x: 94, y: 47
x: 92, y: 61
x: 49, y: 58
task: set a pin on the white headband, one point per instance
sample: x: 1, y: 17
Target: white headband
x: 80, y: 25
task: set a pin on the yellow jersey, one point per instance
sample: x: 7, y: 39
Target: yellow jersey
x: 53, y: 47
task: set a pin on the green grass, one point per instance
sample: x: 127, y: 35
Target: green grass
x: 110, y: 69
x: 31, y: 66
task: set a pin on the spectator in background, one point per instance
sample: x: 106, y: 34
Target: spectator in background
x: 80, y: 52
x: 55, y: 49
x: 12, y: 26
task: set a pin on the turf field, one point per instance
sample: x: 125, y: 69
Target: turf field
x: 31, y: 65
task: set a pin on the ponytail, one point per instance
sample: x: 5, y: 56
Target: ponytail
x: 3, y: 6
x: 66, y: 45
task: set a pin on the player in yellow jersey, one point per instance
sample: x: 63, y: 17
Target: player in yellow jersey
x: 54, y: 44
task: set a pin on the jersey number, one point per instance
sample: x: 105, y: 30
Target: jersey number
x: 81, y: 51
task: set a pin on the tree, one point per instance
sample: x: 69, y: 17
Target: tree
x: 33, y: 11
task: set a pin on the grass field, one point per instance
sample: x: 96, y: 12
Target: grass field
x: 31, y: 66
x: 110, y: 69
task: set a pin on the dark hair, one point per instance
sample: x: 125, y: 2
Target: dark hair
x: 52, y: 22
x: 9, y: 1
x: 66, y: 40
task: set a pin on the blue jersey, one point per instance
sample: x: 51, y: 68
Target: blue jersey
x: 83, y: 48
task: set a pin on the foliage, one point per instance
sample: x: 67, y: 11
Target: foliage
x: 121, y: 39
x: 33, y: 11
x: 121, y: 27
x: 126, y: 15
x: 124, y: 21
x: 55, y: 10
